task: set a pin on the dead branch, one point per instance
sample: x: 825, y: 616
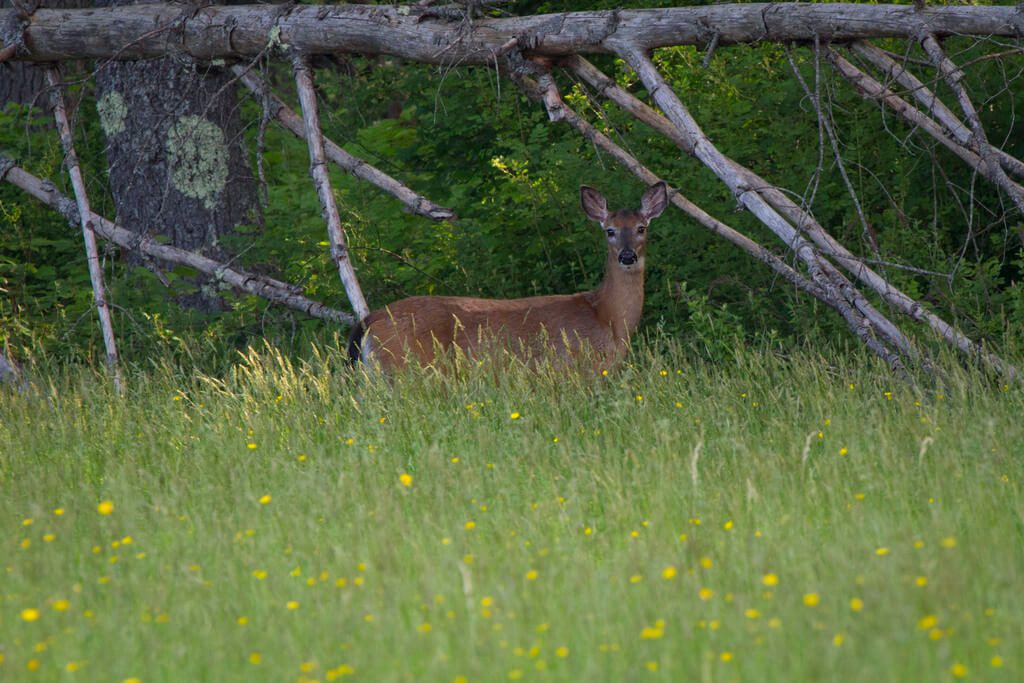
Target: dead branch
x: 930, y: 101
x: 954, y: 77
x: 414, y: 202
x: 267, y: 288
x: 868, y: 87
x: 99, y: 293
x: 747, y: 188
x: 318, y: 170
x: 545, y: 90
x: 217, y: 31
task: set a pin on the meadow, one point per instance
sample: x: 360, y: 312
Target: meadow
x: 772, y: 517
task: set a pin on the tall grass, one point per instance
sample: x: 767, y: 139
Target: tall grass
x: 800, y: 518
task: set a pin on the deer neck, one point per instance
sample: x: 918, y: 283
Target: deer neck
x: 620, y: 298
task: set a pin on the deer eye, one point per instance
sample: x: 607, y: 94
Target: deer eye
x: 641, y: 230
x: 611, y: 232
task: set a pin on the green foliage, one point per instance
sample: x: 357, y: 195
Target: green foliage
x: 669, y: 513
x: 471, y: 142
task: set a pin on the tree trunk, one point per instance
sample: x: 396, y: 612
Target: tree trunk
x: 431, y: 35
x: 175, y: 152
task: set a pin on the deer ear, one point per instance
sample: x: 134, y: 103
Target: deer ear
x: 654, y: 201
x: 594, y: 204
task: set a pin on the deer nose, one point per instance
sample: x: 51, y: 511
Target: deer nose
x: 627, y: 257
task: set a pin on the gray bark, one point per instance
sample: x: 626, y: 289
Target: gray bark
x: 177, y: 164
x: 322, y: 180
x: 425, y: 34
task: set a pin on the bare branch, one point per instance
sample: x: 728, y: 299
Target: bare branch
x: 414, y: 202
x: 318, y: 169
x: 99, y: 293
x: 258, y: 285
x: 954, y: 77
x: 927, y: 98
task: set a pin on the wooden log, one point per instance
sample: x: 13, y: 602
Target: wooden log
x: 424, y: 34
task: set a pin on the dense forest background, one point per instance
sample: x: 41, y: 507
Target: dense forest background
x: 467, y: 139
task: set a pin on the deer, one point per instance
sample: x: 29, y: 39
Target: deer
x: 598, y: 322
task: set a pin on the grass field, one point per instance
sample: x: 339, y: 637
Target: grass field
x: 765, y: 519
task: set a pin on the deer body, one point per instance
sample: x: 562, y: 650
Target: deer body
x: 600, y: 320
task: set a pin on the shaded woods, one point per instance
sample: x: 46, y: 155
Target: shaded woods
x: 880, y: 178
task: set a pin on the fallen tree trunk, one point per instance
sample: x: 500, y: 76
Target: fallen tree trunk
x: 429, y: 35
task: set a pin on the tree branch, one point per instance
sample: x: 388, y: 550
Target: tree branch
x: 954, y: 77
x: 415, y: 203
x: 928, y: 99
x: 318, y: 169
x: 267, y: 288
x: 60, y: 115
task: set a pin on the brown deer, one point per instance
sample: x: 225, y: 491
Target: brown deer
x: 599, y: 321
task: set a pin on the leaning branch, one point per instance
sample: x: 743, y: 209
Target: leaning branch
x: 930, y: 101
x: 954, y: 77
x: 415, y: 203
x: 748, y: 189
x: 318, y: 170
x: 422, y: 34
x: 267, y: 288
x: 99, y: 293
x: 820, y: 285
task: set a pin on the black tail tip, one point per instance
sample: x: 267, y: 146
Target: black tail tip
x: 355, y: 343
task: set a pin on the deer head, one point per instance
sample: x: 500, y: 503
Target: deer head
x: 625, y: 230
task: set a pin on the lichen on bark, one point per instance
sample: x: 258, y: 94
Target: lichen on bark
x: 112, y: 111
x: 198, y: 159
